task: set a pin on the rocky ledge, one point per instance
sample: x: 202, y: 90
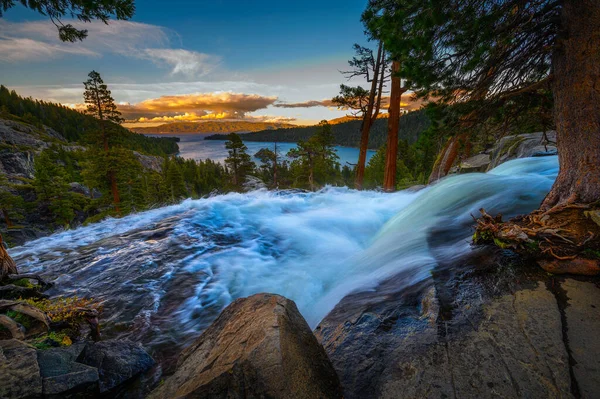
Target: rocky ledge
x: 482, y: 329
x: 507, y: 148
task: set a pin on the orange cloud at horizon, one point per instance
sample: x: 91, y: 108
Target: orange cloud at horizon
x: 195, y: 107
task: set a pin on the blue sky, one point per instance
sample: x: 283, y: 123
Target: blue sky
x: 193, y: 60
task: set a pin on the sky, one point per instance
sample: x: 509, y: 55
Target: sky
x: 194, y: 60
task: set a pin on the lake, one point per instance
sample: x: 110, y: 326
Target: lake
x: 193, y: 146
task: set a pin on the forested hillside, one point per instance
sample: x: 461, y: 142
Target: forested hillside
x: 345, y: 133
x: 75, y: 126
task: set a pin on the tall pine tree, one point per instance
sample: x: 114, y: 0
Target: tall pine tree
x: 101, y: 105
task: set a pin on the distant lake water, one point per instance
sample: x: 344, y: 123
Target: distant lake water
x: 193, y: 146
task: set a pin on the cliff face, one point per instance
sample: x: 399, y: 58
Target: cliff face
x: 19, y: 144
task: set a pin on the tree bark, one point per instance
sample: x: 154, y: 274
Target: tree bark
x: 382, y: 68
x: 7, y: 220
x: 576, y: 70
x: 391, y: 156
x: 275, y: 168
x: 111, y: 174
x: 366, y: 124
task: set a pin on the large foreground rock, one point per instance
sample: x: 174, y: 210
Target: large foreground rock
x: 19, y: 371
x: 259, y: 347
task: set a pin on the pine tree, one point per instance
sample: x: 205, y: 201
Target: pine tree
x: 365, y: 104
x: 101, y: 105
x: 11, y: 205
x: 53, y: 190
x: 85, y: 11
x: 175, y: 182
x: 316, y: 159
x: 238, y: 160
x: 130, y: 179
x: 269, y: 164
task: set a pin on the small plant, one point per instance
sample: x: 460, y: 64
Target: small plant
x: 20, y: 318
x: 24, y: 282
x: 591, y: 254
x: 71, y: 310
x: 53, y: 339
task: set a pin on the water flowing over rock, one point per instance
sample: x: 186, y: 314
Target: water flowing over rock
x: 258, y: 347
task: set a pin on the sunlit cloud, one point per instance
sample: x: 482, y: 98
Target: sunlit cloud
x: 196, y: 107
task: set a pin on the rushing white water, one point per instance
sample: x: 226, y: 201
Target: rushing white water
x: 165, y: 274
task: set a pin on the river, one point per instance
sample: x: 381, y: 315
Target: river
x: 165, y: 274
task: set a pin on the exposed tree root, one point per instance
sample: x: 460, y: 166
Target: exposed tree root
x: 7, y: 264
x: 563, y: 239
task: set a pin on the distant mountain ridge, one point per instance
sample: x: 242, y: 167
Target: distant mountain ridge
x: 211, y: 127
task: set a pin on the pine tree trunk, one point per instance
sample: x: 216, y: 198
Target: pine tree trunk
x: 391, y: 156
x: 275, y: 168
x: 7, y: 220
x: 311, y: 176
x: 366, y: 124
x: 111, y: 174
x: 576, y: 70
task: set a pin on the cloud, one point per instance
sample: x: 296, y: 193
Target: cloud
x: 189, y: 63
x: 22, y: 49
x: 194, y: 117
x: 195, y: 107
x: 38, y: 40
x: 306, y: 104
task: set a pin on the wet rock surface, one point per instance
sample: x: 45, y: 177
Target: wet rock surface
x: 61, y: 374
x: 483, y: 328
x: 521, y: 146
x: 583, y: 326
x: 477, y: 163
x: 258, y: 347
x: 117, y: 361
